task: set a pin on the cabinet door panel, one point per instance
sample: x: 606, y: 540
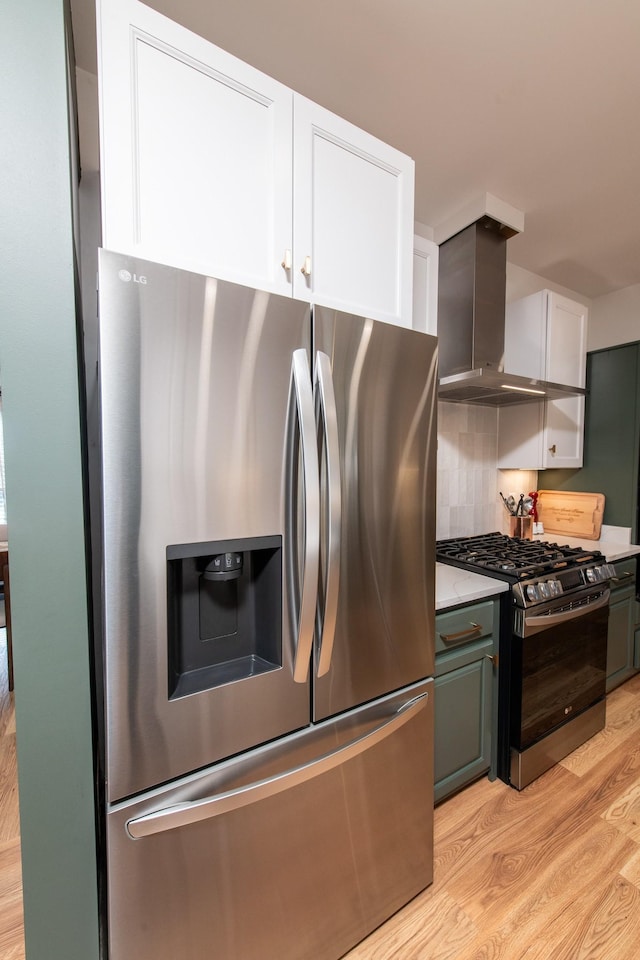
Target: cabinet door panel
x: 520, y: 436
x: 564, y: 433
x: 463, y: 721
x: 620, y: 637
x: 566, y: 341
x: 196, y: 151
x: 525, y: 331
x: 353, y: 215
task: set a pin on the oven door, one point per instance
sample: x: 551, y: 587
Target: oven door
x: 558, y: 668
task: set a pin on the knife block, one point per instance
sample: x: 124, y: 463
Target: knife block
x: 521, y: 527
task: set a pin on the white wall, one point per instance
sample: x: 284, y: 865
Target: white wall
x: 521, y: 282
x: 614, y: 318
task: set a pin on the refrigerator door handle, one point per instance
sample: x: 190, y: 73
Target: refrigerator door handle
x: 326, y: 627
x: 301, y: 384
x: 182, y: 814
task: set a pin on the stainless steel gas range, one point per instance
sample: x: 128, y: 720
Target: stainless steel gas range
x: 553, y: 646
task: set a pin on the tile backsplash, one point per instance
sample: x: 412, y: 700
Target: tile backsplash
x: 469, y: 481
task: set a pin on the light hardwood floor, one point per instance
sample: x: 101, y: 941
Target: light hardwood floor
x: 11, y: 930
x: 552, y: 873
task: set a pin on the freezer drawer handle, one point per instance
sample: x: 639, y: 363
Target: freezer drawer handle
x: 301, y: 383
x: 326, y: 627
x: 182, y: 814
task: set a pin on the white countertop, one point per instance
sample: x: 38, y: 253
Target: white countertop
x: 612, y: 549
x: 455, y: 586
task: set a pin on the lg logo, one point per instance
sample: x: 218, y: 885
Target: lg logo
x: 128, y: 277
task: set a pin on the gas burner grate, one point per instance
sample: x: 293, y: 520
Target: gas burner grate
x: 510, y: 558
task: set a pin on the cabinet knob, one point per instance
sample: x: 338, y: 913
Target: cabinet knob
x: 286, y: 263
x: 552, y: 449
x: 306, y: 267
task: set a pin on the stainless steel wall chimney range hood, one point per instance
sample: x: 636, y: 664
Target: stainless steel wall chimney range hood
x: 471, y: 308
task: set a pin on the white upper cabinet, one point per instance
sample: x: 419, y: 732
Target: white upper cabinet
x: 546, y: 339
x: 210, y: 165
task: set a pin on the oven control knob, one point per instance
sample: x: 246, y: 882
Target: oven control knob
x: 597, y: 574
x: 545, y: 588
x: 555, y: 587
x: 533, y: 592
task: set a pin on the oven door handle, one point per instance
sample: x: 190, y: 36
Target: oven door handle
x: 534, y: 624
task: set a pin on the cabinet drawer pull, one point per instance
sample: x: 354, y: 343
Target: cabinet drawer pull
x: 475, y: 631
x: 286, y: 263
x: 621, y: 577
x: 306, y: 267
x: 493, y: 657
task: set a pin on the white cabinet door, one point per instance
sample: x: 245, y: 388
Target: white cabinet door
x: 195, y: 151
x: 563, y: 440
x: 566, y: 341
x: 521, y: 436
x: 353, y: 217
x: 425, y: 285
x: 525, y: 334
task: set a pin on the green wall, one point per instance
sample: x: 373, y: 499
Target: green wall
x: 611, y: 437
x: 38, y: 371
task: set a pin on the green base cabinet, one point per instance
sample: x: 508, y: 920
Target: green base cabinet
x: 466, y: 644
x: 622, y: 652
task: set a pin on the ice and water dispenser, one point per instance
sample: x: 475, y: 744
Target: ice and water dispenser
x: 224, y: 612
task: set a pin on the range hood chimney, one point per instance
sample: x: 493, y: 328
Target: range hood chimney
x: 471, y: 310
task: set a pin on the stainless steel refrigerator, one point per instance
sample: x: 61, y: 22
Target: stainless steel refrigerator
x: 267, y: 488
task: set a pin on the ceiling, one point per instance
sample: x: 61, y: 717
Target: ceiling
x: 536, y: 103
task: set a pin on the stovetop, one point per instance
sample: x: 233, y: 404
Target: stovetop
x: 511, y: 559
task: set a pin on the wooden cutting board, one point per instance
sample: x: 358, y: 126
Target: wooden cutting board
x: 574, y: 514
